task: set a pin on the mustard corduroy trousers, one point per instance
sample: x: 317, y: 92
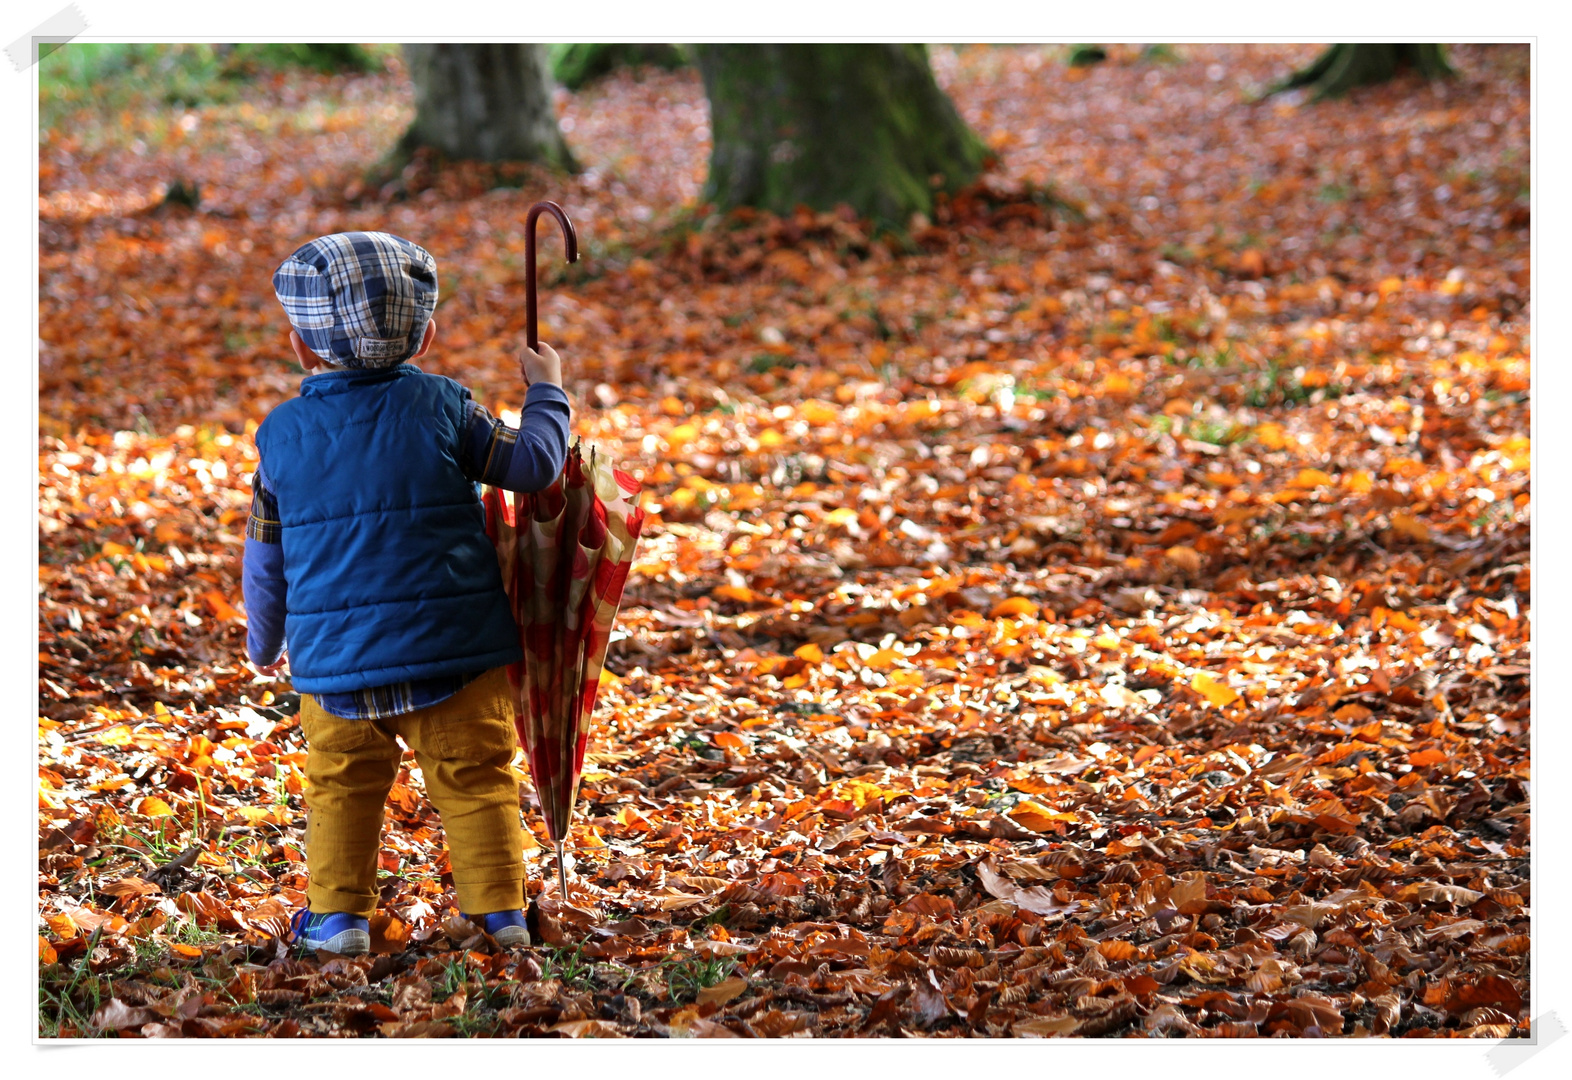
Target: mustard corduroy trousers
x: 464, y: 747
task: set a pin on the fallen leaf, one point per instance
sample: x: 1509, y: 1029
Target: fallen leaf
x: 116, y: 1014
x: 1014, y: 607
x: 723, y: 991
x: 1217, y: 693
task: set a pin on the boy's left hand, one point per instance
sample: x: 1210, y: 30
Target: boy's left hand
x: 276, y: 667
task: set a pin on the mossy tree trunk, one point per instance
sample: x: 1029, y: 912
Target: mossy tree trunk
x: 821, y: 125
x: 489, y: 102
x: 1347, y: 65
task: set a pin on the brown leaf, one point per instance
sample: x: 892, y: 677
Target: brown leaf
x: 586, y: 1029
x: 1430, y: 892
x: 1468, y: 992
x: 420, y: 1029
x: 128, y: 886
x: 723, y: 992
x: 1045, y: 1027
x: 412, y: 995
x: 389, y: 934
x: 116, y: 1014
x: 928, y: 1002
x: 1189, y: 894
x: 452, y: 1006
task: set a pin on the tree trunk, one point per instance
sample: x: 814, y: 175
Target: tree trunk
x: 1347, y: 65
x: 487, y: 102
x: 821, y: 125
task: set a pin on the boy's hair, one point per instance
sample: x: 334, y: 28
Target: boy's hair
x: 359, y: 299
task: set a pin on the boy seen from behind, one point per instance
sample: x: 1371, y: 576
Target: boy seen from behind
x: 367, y: 556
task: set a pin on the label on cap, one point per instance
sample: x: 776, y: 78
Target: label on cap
x: 380, y: 348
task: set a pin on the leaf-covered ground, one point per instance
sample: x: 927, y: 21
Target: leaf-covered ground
x: 1107, y: 617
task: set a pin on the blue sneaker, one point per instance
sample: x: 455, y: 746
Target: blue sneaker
x: 333, y: 931
x: 507, y: 928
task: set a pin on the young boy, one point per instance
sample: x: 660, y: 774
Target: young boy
x: 367, y: 552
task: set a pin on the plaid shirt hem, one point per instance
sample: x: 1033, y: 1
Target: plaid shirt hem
x: 380, y: 702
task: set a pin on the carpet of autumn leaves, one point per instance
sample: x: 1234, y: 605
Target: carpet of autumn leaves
x: 1106, y: 617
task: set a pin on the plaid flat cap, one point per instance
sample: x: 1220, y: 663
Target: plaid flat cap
x: 359, y: 299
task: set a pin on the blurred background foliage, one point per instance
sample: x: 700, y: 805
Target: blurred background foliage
x: 119, y: 75
x: 577, y: 63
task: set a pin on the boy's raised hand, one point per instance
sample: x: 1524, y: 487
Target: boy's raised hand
x: 542, y: 366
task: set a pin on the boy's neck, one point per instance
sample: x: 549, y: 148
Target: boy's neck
x: 328, y: 373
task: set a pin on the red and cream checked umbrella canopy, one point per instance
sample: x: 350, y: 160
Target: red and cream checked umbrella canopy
x: 564, y: 554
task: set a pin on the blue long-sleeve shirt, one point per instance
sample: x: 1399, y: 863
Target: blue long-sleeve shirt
x: 526, y: 458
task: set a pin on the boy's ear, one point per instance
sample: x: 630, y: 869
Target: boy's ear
x: 307, y: 358
x: 426, y: 338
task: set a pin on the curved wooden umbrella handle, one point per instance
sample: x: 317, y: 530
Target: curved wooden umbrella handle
x: 570, y: 239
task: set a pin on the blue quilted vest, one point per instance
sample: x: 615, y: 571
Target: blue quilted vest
x: 389, y: 574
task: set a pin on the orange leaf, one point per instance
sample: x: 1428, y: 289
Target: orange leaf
x: 1014, y: 607
x: 1403, y: 622
x: 809, y: 652
x: 389, y: 934
x: 1406, y: 524
x: 90, y: 920
x: 1141, y: 985
x: 723, y: 992
x: 1466, y: 993
x: 1038, y: 817
x: 1031, y: 785
x: 884, y: 659
x: 221, y: 608
x: 1271, y: 436
x: 1311, y: 478
x: 153, y: 806
x: 1117, y: 950
x: 1217, y: 693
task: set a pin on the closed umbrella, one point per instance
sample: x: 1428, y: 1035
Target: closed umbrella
x: 564, y: 554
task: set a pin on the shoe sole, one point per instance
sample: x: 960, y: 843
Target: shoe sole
x: 345, y: 943
x: 511, y: 937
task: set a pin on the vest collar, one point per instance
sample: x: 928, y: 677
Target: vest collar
x: 341, y: 381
